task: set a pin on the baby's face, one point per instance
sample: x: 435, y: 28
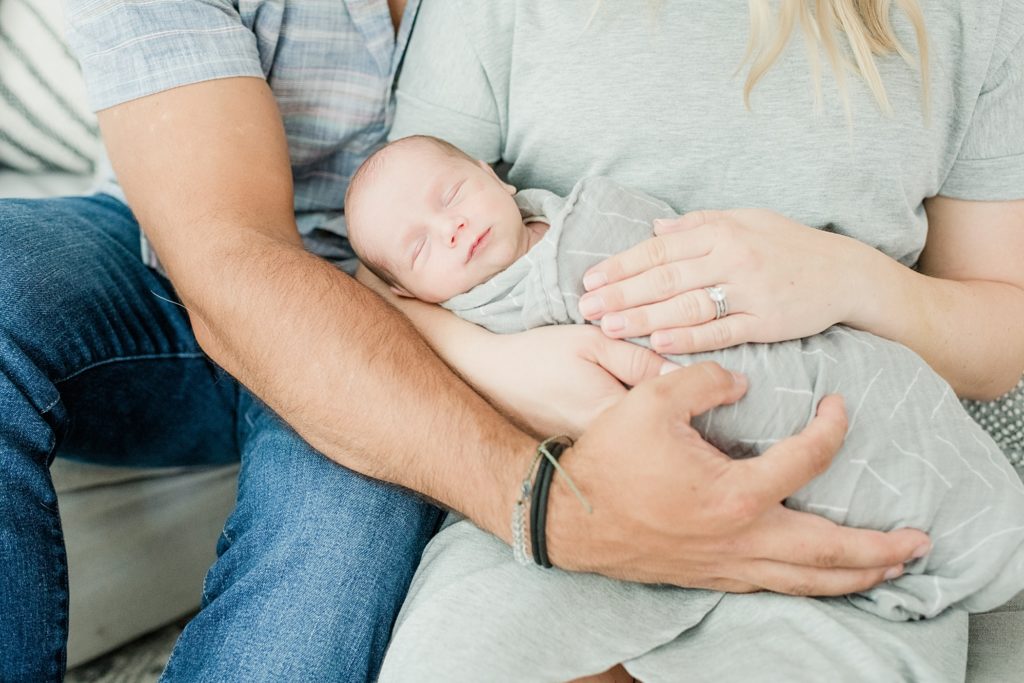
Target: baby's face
x: 439, y: 224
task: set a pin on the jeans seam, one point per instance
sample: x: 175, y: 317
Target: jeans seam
x: 50, y: 407
x: 127, y: 359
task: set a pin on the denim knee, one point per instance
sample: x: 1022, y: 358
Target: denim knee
x: 313, y: 566
x: 50, y: 251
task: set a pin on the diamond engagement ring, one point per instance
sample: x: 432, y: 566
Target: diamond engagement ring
x: 721, y: 303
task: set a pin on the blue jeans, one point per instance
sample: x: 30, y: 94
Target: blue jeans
x: 96, y: 365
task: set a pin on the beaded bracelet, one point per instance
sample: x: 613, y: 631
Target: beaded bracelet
x: 519, y: 514
x: 533, y: 491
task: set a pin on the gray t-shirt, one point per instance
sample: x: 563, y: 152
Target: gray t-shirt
x: 681, y: 130
x: 572, y: 72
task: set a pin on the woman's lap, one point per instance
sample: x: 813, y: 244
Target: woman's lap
x: 474, y: 614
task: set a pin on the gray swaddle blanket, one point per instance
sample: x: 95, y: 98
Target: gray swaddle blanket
x: 912, y: 458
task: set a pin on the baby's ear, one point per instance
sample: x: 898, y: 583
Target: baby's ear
x: 487, y: 167
x: 399, y: 291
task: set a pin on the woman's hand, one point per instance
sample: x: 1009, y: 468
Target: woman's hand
x: 781, y: 279
x: 557, y: 379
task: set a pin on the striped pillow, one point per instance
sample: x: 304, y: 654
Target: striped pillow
x: 45, y: 123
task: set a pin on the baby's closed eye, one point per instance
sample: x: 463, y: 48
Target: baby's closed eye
x: 453, y: 193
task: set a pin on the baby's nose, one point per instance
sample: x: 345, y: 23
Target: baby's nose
x: 459, y: 226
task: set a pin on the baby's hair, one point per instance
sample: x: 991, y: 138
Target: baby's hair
x: 365, y: 173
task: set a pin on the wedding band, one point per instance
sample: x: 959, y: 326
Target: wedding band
x: 721, y: 303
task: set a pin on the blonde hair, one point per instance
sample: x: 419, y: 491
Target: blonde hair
x: 868, y: 30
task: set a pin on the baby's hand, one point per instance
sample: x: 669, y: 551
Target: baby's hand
x: 557, y: 379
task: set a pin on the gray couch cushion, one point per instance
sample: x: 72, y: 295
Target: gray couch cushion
x: 14, y: 184
x: 70, y: 476
x: 996, y: 645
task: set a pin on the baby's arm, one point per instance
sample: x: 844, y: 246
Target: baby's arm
x: 552, y: 380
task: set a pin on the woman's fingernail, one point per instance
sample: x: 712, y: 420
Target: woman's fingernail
x: 659, y: 339
x: 594, y: 280
x: 921, y: 551
x: 614, y: 322
x: 739, y: 377
x: 892, y: 572
x: 591, y: 306
x: 669, y: 367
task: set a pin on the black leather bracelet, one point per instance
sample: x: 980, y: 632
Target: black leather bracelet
x: 539, y: 506
x: 544, y: 477
x: 535, y: 510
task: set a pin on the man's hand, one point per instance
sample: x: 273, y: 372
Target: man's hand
x: 670, y: 508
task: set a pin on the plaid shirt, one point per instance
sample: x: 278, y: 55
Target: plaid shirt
x: 331, y: 65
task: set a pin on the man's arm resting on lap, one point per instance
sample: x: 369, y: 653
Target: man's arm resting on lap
x: 207, y: 172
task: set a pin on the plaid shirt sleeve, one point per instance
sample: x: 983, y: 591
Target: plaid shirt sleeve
x: 133, y: 48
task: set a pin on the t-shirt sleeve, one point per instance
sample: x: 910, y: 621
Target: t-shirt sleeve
x: 133, y: 48
x: 443, y: 89
x: 990, y: 164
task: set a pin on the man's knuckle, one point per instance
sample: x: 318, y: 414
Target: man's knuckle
x: 661, y: 392
x: 818, y: 454
x: 716, y: 372
x: 821, y: 460
x: 739, y: 507
x: 829, y: 557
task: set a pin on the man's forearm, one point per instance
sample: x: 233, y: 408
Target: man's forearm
x: 344, y: 369
x: 348, y: 372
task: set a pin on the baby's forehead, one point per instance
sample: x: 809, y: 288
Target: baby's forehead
x: 418, y: 150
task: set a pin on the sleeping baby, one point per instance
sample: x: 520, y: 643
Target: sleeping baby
x: 439, y: 226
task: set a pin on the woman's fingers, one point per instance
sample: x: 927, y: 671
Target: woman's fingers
x: 688, y: 221
x: 655, y: 285
x: 689, y: 308
x: 649, y: 254
x: 710, y: 336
